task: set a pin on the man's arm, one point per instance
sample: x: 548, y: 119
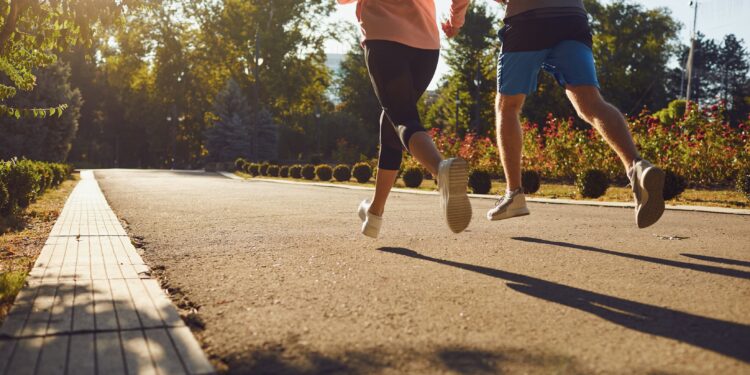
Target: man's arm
x: 346, y: 1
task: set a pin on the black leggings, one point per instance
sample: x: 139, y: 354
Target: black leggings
x: 400, y: 75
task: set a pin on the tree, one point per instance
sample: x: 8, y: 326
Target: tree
x: 32, y: 31
x: 43, y: 139
x: 632, y: 46
x: 471, y: 56
x: 232, y: 134
x: 733, y: 65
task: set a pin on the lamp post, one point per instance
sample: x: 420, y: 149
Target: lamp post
x: 317, y: 125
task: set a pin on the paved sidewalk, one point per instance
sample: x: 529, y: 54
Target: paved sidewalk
x: 90, y: 306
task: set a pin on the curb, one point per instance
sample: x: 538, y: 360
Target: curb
x: 570, y: 202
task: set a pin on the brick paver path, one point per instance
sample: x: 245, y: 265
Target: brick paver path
x: 90, y: 306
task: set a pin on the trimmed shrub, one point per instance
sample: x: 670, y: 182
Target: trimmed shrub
x: 23, y: 183
x: 592, y: 183
x: 480, y: 181
x: 324, y: 172
x: 674, y: 185
x: 531, y: 181
x: 284, y: 171
x: 412, y: 177
x: 295, y: 171
x: 60, y: 173
x: 362, y: 172
x: 253, y: 169
x: 743, y: 182
x: 264, y: 169
x: 239, y: 164
x: 342, y: 173
x: 308, y: 172
x: 273, y: 170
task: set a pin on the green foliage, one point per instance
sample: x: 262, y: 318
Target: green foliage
x: 324, y: 172
x: 674, y: 185
x: 743, y: 182
x: 480, y: 181
x: 673, y: 113
x: 37, y: 137
x: 592, y: 183
x: 31, y: 32
x: 531, y: 181
x: 308, y: 172
x: 253, y: 169
x: 22, y: 181
x: 295, y: 171
x: 362, y: 172
x: 284, y: 171
x: 273, y: 170
x: 635, y: 45
x: 264, y: 168
x: 412, y: 177
x: 471, y: 57
x: 342, y: 173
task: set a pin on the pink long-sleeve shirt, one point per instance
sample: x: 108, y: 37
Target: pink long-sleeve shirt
x: 409, y: 22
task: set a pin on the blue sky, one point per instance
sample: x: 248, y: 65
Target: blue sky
x: 716, y: 18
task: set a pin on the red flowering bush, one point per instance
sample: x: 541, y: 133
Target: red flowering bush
x: 696, y: 144
x: 479, y: 151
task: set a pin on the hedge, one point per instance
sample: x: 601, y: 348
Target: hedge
x: 22, y: 181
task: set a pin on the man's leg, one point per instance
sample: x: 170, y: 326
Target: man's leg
x: 646, y: 179
x: 510, y: 143
x: 606, y: 119
x: 509, y: 136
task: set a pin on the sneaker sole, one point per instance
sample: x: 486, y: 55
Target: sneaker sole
x: 370, y: 231
x: 457, y: 204
x: 510, y: 214
x: 652, y: 195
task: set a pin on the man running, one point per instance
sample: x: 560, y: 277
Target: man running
x: 555, y: 35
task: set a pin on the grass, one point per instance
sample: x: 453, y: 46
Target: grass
x: 690, y: 197
x: 22, y: 238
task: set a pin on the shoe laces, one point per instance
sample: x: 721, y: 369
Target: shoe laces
x: 508, y: 196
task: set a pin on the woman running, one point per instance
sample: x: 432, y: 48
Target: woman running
x: 402, y: 48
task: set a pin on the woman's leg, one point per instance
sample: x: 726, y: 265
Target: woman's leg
x: 387, y: 63
x: 389, y: 161
x: 421, y: 146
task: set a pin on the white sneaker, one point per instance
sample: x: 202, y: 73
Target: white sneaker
x: 512, y: 204
x: 648, y: 190
x: 371, y: 223
x: 453, y: 178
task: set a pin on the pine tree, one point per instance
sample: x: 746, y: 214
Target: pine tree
x: 232, y: 133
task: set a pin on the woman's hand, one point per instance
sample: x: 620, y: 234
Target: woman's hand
x: 449, y: 30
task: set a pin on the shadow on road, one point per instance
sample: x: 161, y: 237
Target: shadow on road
x: 733, y: 262
x: 281, y: 359
x: 727, y: 338
x: 672, y: 263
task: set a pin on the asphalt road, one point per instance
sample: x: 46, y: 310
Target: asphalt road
x: 285, y: 283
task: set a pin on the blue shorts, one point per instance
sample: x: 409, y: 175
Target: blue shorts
x: 569, y: 61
